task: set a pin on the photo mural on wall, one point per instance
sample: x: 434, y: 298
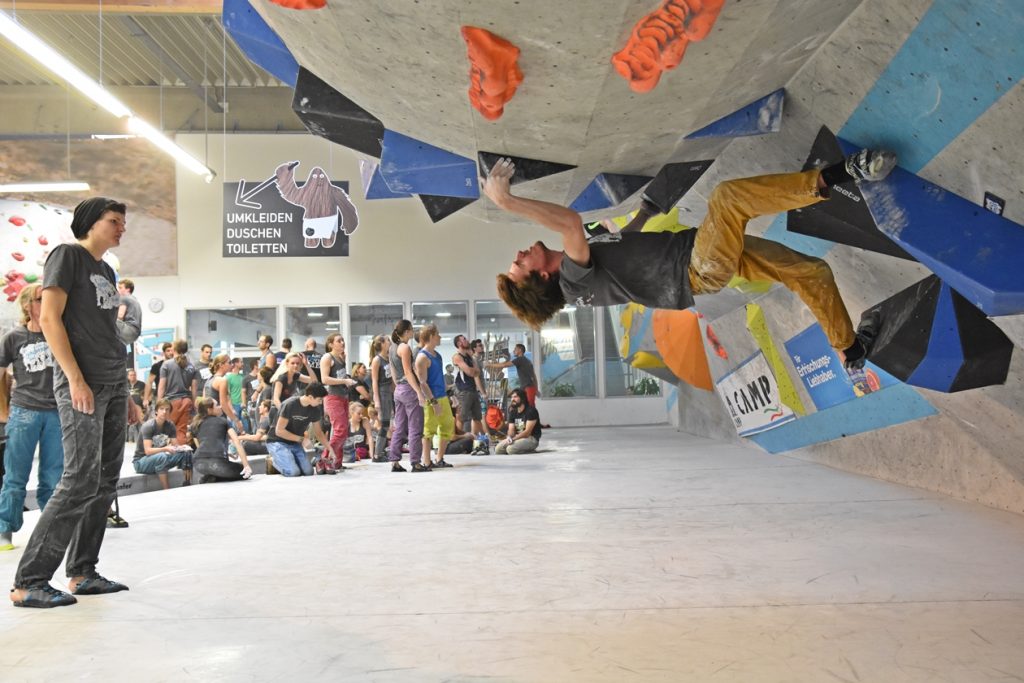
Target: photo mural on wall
x: 126, y: 170
x: 278, y: 217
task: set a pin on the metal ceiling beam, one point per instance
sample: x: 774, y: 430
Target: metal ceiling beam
x: 124, y: 6
x: 205, y: 94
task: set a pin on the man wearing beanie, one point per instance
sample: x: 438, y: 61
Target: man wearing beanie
x: 79, y: 321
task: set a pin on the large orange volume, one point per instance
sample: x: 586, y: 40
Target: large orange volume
x: 493, y: 72
x: 677, y: 336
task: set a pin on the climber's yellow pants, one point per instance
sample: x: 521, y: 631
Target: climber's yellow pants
x: 722, y: 250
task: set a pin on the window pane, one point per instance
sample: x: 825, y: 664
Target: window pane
x: 450, y: 318
x: 493, y: 318
x: 305, y: 322
x: 230, y: 330
x: 621, y: 378
x: 366, y: 321
x: 567, y: 354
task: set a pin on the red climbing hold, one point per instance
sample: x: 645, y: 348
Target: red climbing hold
x: 301, y: 4
x: 17, y: 220
x: 659, y: 40
x: 17, y: 256
x: 493, y: 72
x: 43, y: 241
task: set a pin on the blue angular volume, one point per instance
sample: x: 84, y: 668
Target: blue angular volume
x: 608, y: 190
x: 374, y: 186
x: 945, y: 356
x: 258, y: 41
x: 974, y: 251
x: 757, y: 118
x: 413, y: 166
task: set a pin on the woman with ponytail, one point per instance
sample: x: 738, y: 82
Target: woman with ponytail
x: 213, y: 432
x: 408, y: 424
x: 334, y: 373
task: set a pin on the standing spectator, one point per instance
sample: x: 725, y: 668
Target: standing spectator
x: 219, y: 390
x: 361, y: 390
x: 289, y: 381
x: 267, y: 357
x: 383, y: 393
x: 212, y: 433
x: 33, y: 416
x: 334, y: 370
x: 524, y: 371
x: 79, y: 321
x: 178, y: 385
x: 153, y: 381
x: 159, y: 450
x: 437, y: 411
x: 467, y: 377
x: 449, y: 378
x: 286, y: 348
x: 236, y: 392
x: 286, y: 441
x: 523, y: 426
x: 312, y: 358
x: 408, y: 425
x: 203, y: 370
x: 129, y: 313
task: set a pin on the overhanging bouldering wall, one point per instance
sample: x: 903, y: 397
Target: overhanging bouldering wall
x: 938, y: 81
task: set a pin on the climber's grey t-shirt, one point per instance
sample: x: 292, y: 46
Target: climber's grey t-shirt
x: 648, y: 268
x: 90, y: 316
x: 30, y: 355
x: 132, y: 312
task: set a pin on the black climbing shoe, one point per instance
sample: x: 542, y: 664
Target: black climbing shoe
x: 870, y: 164
x: 45, y: 596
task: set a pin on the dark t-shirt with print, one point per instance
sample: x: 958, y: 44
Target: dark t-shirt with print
x: 213, y: 437
x: 90, y: 316
x: 160, y: 436
x: 519, y: 419
x: 33, y: 364
x: 289, y: 389
x: 136, y: 391
x: 299, y: 418
x: 525, y: 372
x: 177, y: 379
x: 648, y: 268
x: 313, y: 358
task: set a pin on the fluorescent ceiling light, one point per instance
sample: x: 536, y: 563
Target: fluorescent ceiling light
x: 45, y: 187
x: 314, y: 314
x: 32, y: 45
x: 147, y: 131
x: 118, y: 136
x: 333, y: 322
x: 443, y: 314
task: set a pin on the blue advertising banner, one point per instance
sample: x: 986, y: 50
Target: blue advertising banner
x: 819, y: 368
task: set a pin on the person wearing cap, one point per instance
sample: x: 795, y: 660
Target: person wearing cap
x: 78, y: 317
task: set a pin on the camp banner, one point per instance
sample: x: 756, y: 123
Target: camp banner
x: 277, y: 216
x: 751, y: 395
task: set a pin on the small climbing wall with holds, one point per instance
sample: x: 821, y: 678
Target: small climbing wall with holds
x: 28, y: 231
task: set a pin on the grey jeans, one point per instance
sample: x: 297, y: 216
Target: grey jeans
x: 75, y: 518
x: 525, y: 445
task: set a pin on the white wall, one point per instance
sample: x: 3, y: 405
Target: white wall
x: 397, y: 254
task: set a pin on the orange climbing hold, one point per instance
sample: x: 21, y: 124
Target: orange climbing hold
x: 493, y: 72
x: 301, y: 4
x: 659, y: 40
x: 677, y: 336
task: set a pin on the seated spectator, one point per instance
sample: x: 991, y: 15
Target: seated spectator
x: 357, y: 444
x: 135, y: 411
x: 157, y: 450
x: 212, y: 432
x: 256, y: 443
x: 524, y: 428
x: 462, y: 441
x: 286, y: 440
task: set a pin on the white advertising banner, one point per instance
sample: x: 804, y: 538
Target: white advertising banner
x: 752, y: 397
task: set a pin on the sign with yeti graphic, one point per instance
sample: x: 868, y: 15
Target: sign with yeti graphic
x: 751, y: 395
x: 279, y: 217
